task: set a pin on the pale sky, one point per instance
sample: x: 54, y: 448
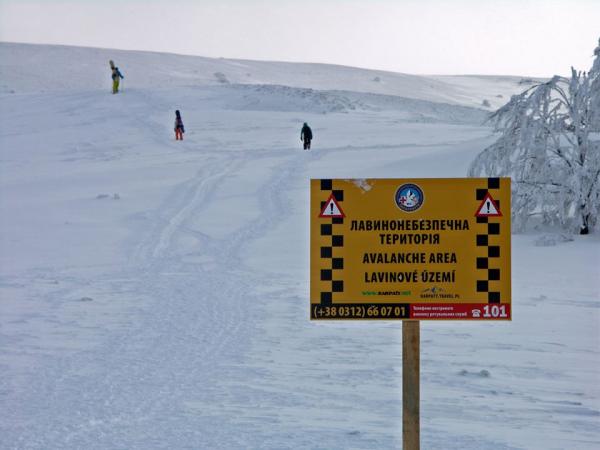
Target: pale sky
x: 503, y: 37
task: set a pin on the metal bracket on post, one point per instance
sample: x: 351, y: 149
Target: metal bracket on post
x: 410, y: 384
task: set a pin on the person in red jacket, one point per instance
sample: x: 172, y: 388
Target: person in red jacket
x: 179, y: 129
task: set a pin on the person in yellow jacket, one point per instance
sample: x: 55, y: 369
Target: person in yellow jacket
x: 116, y: 77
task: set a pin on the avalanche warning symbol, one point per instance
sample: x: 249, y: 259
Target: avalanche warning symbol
x: 332, y: 209
x: 488, y: 208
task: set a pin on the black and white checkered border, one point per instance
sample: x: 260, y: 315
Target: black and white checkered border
x: 330, y: 276
x: 488, y: 266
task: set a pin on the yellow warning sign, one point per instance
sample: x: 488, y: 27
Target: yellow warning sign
x: 419, y: 249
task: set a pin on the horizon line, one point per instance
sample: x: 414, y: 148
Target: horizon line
x: 192, y: 55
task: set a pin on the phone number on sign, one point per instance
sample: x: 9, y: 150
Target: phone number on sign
x: 360, y: 311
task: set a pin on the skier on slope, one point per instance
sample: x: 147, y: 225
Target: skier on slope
x: 116, y: 77
x: 306, y: 136
x: 179, y: 129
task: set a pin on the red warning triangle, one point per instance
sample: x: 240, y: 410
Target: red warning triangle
x: 332, y: 209
x: 488, y: 207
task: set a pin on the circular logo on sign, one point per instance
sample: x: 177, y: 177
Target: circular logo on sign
x: 409, y: 197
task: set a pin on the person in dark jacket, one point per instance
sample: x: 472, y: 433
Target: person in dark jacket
x: 306, y: 136
x: 179, y: 129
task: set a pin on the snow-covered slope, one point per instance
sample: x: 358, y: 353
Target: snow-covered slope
x: 154, y: 293
x: 35, y: 68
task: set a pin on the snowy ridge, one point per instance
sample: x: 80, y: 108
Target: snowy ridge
x: 34, y: 68
x: 271, y: 97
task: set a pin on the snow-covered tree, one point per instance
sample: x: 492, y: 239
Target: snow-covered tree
x: 549, y: 145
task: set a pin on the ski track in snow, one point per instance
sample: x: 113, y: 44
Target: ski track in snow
x: 191, y: 330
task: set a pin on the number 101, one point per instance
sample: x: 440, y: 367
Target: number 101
x: 494, y: 311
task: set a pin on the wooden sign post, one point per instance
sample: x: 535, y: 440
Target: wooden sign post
x: 410, y: 250
x: 410, y: 385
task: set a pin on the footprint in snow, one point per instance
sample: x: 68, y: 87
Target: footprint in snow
x: 481, y: 374
x: 105, y: 196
